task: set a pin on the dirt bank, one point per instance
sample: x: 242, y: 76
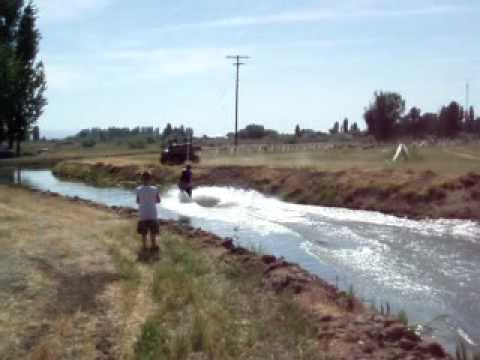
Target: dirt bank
x: 344, y: 327
x: 397, y: 192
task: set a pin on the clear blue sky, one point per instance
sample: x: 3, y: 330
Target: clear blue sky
x: 129, y: 63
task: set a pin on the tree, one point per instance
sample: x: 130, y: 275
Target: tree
x: 252, y: 131
x: 167, y: 131
x: 22, y: 78
x: 10, y: 12
x: 354, y: 128
x: 7, y: 76
x: 450, y: 119
x: 31, y: 83
x: 336, y: 127
x: 412, y: 124
x: 298, y: 131
x: 470, y: 120
x: 189, y: 134
x: 36, y: 133
x: 345, y: 126
x: 383, y: 114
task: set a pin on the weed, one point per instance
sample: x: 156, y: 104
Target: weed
x: 152, y: 343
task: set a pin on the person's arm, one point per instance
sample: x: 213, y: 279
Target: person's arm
x: 138, y: 200
x: 158, y: 198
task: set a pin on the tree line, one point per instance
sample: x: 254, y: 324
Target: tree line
x: 22, y: 76
x: 386, y: 117
x: 344, y: 128
x: 149, y: 133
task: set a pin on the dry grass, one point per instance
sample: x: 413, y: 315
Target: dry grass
x: 447, y: 161
x: 60, y: 287
x: 59, y: 152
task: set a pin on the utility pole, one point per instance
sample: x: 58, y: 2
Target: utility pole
x: 237, y: 63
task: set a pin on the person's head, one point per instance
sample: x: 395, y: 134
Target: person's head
x: 146, y: 177
x: 188, y: 167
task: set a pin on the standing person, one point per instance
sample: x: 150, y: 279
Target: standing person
x: 185, y: 183
x: 148, y: 196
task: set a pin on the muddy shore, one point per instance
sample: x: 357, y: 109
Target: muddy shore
x: 416, y: 195
x: 344, y: 325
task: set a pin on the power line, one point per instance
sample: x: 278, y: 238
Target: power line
x: 237, y: 63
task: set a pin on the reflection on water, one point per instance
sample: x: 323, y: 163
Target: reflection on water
x: 427, y: 268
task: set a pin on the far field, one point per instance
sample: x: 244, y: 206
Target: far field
x: 448, y: 161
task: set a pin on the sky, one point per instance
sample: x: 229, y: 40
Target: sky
x: 313, y: 62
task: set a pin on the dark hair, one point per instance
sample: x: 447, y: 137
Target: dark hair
x: 188, y: 167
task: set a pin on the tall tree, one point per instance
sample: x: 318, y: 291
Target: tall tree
x: 31, y: 84
x: 354, y: 128
x: 470, y: 120
x: 298, y: 131
x: 10, y: 12
x: 345, y: 126
x: 335, y: 129
x: 36, y: 133
x: 7, y: 80
x: 383, y: 114
x: 413, y: 123
x: 450, y: 118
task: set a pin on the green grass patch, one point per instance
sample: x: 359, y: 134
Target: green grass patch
x: 210, y: 307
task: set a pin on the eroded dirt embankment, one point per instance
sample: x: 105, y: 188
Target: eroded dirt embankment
x: 397, y: 192
x: 344, y: 326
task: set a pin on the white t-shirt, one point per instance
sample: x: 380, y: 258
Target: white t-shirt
x: 147, y: 202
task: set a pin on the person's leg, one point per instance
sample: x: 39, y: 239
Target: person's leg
x: 153, y: 240
x: 153, y: 234
x: 142, y: 231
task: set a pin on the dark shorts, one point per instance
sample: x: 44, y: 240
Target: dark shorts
x: 148, y: 226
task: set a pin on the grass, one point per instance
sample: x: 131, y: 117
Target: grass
x: 205, y: 306
x: 73, y: 151
x: 447, y: 161
x: 74, y: 287
x: 58, y: 278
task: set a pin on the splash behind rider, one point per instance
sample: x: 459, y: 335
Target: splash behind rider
x: 185, y: 183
